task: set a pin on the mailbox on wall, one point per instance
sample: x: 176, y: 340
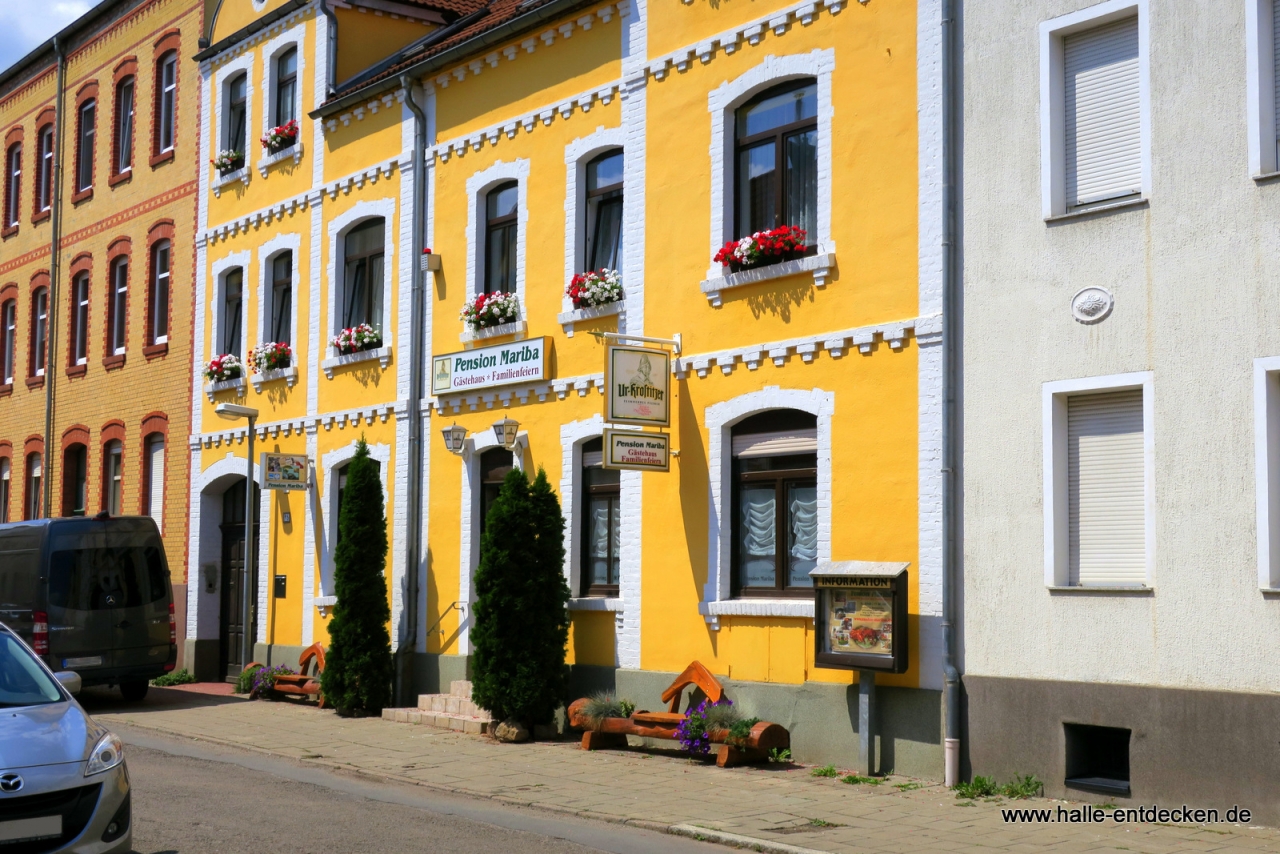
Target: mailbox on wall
x: 860, y: 615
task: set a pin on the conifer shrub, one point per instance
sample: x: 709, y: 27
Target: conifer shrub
x: 357, y: 673
x: 520, y: 619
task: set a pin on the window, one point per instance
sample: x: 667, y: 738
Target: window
x: 153, y: 478
x: 495, y: 465
x: 602, y: 529
x: 342, y: 491
x: 282, y: 298
x: 235, y: 138
x: 44, y: 185
x: 1097, y: 758
x: 80, y: 319
x: 112, y: 477
x: 6, y: 475
x: 501, y: 227
x: 119, y: 306
x: 159, y: 295
x: 775, y: 512
x: 13, y: 184
x: 34, y: 480
x: 363, y: 252
x: 232, y: 309
x: 776, y: 151
x: 286, y: 87
x: 166, y: 104
x: 8, y: 338
x: 604, y: 211
x: 84, y: 147
x: 75, y: 482
x: 124, y: 126
x: 39, y: 330
x: 1102, y: 114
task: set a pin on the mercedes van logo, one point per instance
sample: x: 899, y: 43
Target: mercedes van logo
x: 10, y: 783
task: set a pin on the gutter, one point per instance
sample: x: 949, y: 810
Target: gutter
x: 51, y: 314
x: 332, y: 41
x: 500, y: 33
x: 417, y: 325
x: 950, y: 386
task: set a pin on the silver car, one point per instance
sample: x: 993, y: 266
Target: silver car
x: 63, y: 781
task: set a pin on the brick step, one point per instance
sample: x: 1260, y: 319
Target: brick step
x: 450, y: 704
x: 473, y: 724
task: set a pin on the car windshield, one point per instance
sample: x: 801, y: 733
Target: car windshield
x: 23, y: 682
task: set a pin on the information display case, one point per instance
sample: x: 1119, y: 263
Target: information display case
x: 860, y: 615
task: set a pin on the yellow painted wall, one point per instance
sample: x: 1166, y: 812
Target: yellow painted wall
x: 366, y: 37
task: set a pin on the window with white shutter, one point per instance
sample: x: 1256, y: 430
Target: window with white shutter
x: 1102, y: 114
x: 1106, y: 489
x: 155, y: 479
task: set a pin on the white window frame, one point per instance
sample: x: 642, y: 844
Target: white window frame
x: 79, y: 330
x: 153, y: 289
x: 40, y: 363
x: 267, y: 253
x: 149, y: 482
x: 113, y: 290
x: 219, y: 275
x: 221, y: 80
x: 1260, y: 85
x: 293, y: 38
x: 330, y: 463
x: 1057, y: 558
x: 339, y: 226
x: 13, y: 194
x: 577, y: 155
x: 478, y: 187
x: 1053, y: 140
x: 9, y: 333
x: 1266, y: 443
x: 170, y: 92
x: 723, y: 101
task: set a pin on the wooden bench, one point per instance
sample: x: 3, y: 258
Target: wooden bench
x: 612, y: 732
x: 306, y: 683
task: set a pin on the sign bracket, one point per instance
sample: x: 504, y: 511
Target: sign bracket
x: 673, y: 343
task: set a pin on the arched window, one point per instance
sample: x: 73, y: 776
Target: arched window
x: 118, y: 307
x: 232, y: 310
x: 158, y: 294
x: 281, y: 329
x: 153, y: 478
x: 84, y: 145
x: 44, y: 178
x: 776, y: 143
x: 113, y: 477
x: 235, y: 127
x: 775, y: 503
x: 601, y: 528
x: 342, y: 491
x: 495, y: 464
x: 500, y: 235
x: 124, y: 125
x: 8, y: 338
x: 39, y: 330
x: 6, y: 475
x: 12, y: 184
x: 286, y: 94
x: 167, y: 102
x: 604, y: 211
x: 79, y: 344
x: 363, y: 256
x: 75, y: 480
x: 34, y: 496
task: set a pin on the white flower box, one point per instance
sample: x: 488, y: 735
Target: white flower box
x: 819, y: 265
x: 293, y: 152
x: 238, y: 384
x: 568, y: 318
x: 382, y: 354
x: 516, y: 328
x: 289, y: 375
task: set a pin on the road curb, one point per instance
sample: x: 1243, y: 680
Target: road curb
x: 706, y: 834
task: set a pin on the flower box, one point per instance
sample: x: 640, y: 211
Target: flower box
x: 225, y: 367
x: 595, y: 288
x: 279, y: 138
x: 270, y: 356
x: 483, y: 311
x: 776, y: 246
x: 357, y: 339
x: 228, y: 161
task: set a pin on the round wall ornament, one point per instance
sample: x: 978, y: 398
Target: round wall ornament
x: 1091, y: 304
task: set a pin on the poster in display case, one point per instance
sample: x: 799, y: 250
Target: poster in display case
x: 860, y: 615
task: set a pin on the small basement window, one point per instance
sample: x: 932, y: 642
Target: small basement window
x: 1097, y: 758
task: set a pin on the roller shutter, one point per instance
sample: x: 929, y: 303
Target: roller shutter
x: 1103, y: 114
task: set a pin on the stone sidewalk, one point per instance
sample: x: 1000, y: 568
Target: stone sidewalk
x: 768, y: 808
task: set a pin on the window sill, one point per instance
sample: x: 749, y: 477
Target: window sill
x: 568, y: 318
x: 152, y: 351
x: 77, y: 370
x: 35, y: 382
x: 36, y: 219
x: 224, y: 178
x: 429, y: 262
x: 122, y: 178
x: 293, y: 152
x: 1138, y: 590
x: 596, y: 603
x: 382, y: 354
x: 486, y: 334
x: 289, y: 375
x: 820, y: 266
x: 1139, y: 202
x: 6, y: 389
x: 162, y: 157
x: 789, y: 608
x: 82, y: 196
x: 113, y: 362
x: 238, y: 384
x: 8, y: 231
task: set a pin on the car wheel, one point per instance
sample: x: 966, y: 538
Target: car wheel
x: 134, y: 691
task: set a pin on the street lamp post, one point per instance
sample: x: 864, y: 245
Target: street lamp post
x: 234, y: 412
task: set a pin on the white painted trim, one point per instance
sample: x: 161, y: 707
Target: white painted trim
x: 1054, y: 426
x: 1053, y: 175
x: 223, y: 77
x: 517, y: 327
x: 338, y: 228
x: 207, y: 486
x: 478, y: 185
x: 218, y: 272
x: 577, y: 315
x: 719, y: 419
x: 541, y: 390
x: 329, y: 465
x: 1266, y: 448
x: 818, y: 265
x: 294, y: 37
x: 382, y: 354
x: 802, y: 608
x: 266, y: 254
x: 293, y: 152
x: 572, y: 437
x: 722, y: 101
x: 597, y: 603
x: 315, y: 286
x: 310, y: 516
x: 1260, y: 85
x: 577, y: 155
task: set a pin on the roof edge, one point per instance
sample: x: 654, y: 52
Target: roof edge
x: 257, y: 26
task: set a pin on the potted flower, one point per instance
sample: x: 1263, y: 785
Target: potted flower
x: 272, y: 356
x: 763, y: 248
x: 602, y: 705
x: 598, y: 287
x: 486, y: 310
x: 279, y: 138
x: 356, y: 339
x: 223, y: 368
x: 228, y: 161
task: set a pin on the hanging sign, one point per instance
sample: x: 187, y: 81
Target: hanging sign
x: 285, y: 471
x: 860, y: 615
x: 485, y: 367
x: 632, y: 450
x: 637, y: 384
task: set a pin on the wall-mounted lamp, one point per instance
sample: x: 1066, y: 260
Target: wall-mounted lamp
x: 505, y: 431
x: 454, y: 437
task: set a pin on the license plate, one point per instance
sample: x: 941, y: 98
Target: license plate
x: 29, y: 829
x: 87, y: 661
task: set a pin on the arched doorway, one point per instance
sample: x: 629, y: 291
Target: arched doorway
x: 231, y: 625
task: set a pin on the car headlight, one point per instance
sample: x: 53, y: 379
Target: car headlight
x: 107, y: 754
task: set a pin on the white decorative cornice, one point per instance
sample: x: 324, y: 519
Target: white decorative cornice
x: 543, y: 391
x: 310, y: 424
x: 371, y: 108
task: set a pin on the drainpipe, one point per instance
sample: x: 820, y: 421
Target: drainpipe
x: 333, y: 48
x: 51, y: 322
x: 413, y: 545
x: 950, y: 492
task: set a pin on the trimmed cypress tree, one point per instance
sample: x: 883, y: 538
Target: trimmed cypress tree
x: 357, y: 674
x: 521, y: 618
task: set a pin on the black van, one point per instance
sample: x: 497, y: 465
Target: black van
x: 91, y: 595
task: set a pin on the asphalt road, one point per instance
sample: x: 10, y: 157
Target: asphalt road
x: 192, y: 798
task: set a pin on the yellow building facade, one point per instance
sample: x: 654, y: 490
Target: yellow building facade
x: 525, y: 143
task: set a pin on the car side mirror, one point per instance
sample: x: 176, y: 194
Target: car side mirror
x: 70, y: 680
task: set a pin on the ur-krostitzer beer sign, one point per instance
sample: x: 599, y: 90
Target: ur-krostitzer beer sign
x: 484, y: 367
x: 636, y: 451
x: 637, y: 386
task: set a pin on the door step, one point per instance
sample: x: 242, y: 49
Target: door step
x: 454, y: 711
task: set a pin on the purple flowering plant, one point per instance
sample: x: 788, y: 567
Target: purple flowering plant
x: 694, y: 731
x: 264, y: 679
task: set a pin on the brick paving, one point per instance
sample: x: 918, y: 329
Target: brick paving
x: 780, y: 805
